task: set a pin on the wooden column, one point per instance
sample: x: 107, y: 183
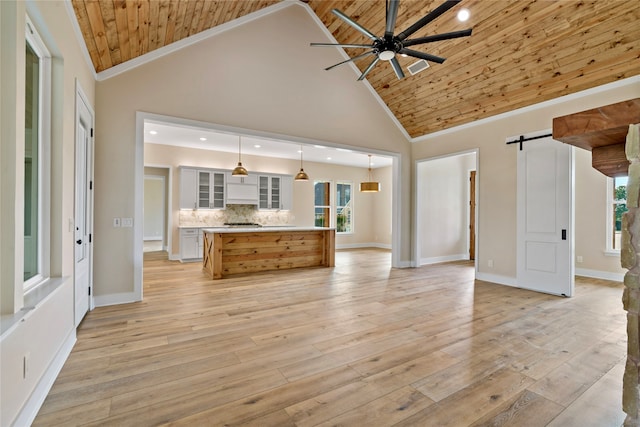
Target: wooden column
x: 631, y: 297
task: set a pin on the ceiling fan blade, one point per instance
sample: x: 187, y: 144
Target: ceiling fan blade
x: 354, y: 24
x: 392, y: 14
x: 341, y: 45
x: 422, y: 55
x: 437, y: 37
x: 350, y: 59
x: 396, y: 67
x: 369, y: 68
x: 427, y: 18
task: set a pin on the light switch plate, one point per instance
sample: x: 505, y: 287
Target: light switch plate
x: 116, y: 222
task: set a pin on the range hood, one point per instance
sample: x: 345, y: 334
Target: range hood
x: 242, y: 190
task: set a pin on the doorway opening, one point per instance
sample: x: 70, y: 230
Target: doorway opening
x: 157, y: 217
x: 446, y: 209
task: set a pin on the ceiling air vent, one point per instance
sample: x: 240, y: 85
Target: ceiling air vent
x: 416, y: 67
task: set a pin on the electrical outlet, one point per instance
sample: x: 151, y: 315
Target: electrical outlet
x: 579, y: 258
x: 116, y: 222
x: 127, y: 222
x: 490, y: 263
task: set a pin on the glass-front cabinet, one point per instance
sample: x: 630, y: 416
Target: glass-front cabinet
x: 274, y: 192
x: 201, y: 189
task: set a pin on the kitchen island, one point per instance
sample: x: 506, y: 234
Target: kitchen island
x: 229, y: 251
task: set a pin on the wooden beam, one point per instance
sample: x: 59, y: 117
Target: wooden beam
x: 597, y: 127
x: 602, y: 131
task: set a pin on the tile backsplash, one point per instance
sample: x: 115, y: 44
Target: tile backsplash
x: 233, y: 213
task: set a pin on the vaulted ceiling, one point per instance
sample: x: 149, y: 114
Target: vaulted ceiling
x: 521, y: 52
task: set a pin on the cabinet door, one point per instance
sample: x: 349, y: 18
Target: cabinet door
x: 217, y: 188
x: 204, y: 189
x: 188, y: 185
x: 189, y: 244
x: 275, y: 196
x: 263, y: 192
x: 286, y: 193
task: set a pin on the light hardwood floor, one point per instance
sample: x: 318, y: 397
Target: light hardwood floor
x: 360, y: 344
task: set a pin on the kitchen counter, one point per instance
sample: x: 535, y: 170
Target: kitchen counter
x: 235, y: 250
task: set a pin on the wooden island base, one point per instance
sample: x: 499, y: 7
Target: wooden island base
x: 235, y: 251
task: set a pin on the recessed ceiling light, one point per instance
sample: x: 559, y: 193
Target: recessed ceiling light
x: 319, y: 146
x: 328, y: 158
x: 299, y: 151
x: 257, y: 146
x: 346, y: 150
x: 463, y: 15
x: 153, y: 132
x: 203, y: 139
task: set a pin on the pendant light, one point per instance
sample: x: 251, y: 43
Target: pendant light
x: 370, y: 186
x: 239, y: 170
x: 302, y: 175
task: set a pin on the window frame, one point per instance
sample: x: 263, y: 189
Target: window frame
x: 34, y: 40
x: 329, y: 206
x: 337, y: 206
x: 610, y: 233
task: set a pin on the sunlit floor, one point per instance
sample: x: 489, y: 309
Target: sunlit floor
x: 361, y: 344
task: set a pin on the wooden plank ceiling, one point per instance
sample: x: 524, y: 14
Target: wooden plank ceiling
x: 521, y: 52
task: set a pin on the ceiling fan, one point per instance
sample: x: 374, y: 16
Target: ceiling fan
x: 389, y: 45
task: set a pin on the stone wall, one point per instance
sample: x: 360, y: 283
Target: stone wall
x: 631, y: 296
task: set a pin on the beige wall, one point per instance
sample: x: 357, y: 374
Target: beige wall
x: 497, y: 179
x: 372, y: 212
x: 45, y: 331
x: 231, y: 80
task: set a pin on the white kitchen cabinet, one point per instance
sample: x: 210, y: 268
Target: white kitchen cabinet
x: 190, y: 244
x: 202, y: 189
x: 188, y: 188
x: 275, y: 192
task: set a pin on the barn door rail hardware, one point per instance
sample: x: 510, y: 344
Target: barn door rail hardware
x: 523, y: 139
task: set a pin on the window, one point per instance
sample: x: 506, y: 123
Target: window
x: 344, y: 208
x: 322, y: 203
x: 36, y: 159
x: 617, y: 205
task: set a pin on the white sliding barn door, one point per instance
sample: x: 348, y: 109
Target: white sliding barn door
x: 545, y: 217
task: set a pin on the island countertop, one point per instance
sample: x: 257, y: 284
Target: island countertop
x: 267, y: 228
x: 234, y: 250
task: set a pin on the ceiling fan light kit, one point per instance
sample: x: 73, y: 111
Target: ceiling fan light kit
x: 389, y: 45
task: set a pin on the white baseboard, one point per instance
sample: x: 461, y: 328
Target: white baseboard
x: 597, y: 274
x: 30, y: 409
x: 363, y: 245
x: 152, y: 238
x: 114, y: 299
x: 447, y: 258
x: 495, y: 278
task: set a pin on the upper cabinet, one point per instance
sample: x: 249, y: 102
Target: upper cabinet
x: 275, y: 192
x: 202, y: 189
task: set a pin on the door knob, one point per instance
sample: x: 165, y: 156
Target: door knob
x: 79, y: 241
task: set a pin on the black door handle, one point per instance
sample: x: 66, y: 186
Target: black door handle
x: 564, y: 234
x: 79, y: 241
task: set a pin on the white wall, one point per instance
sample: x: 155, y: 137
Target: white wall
x: 39, y: 324
x: 497, y: 179
x: 442, y: 214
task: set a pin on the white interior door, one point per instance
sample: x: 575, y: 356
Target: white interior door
x: 545, y: 217
x: 84, y: 210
